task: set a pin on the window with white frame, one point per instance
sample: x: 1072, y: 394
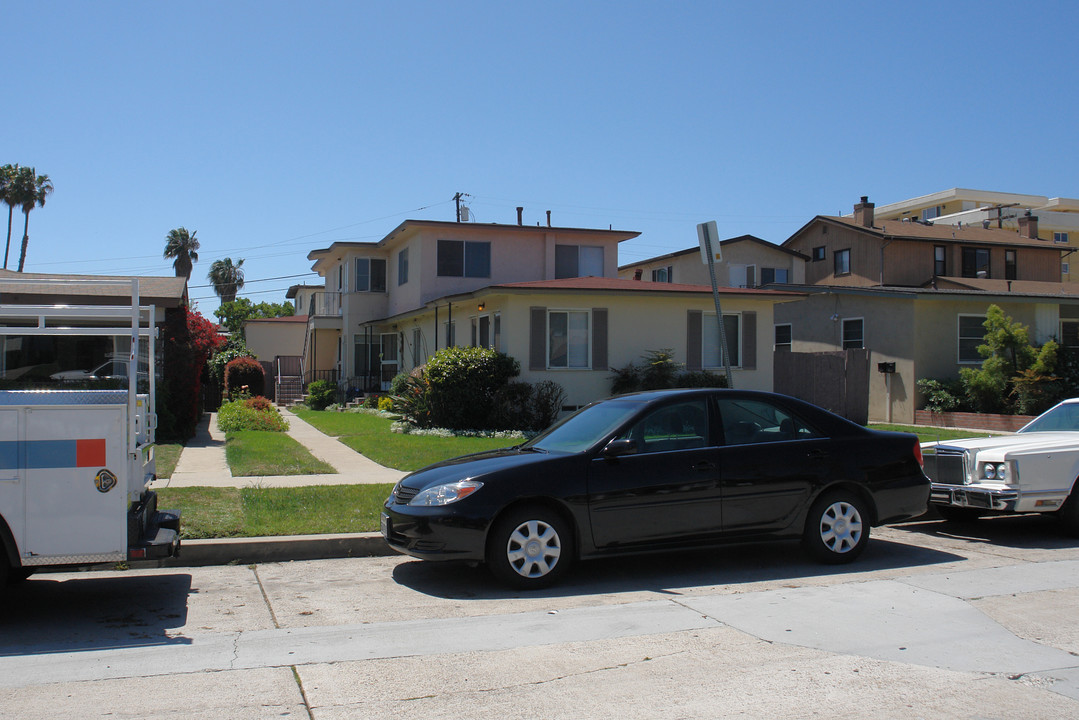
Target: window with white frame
x: 370, y: 275
x: 853, y: 334
x: 971, y: 335
x: 663, y: 274
x: 402, y: 267
x: 568, y: 339
x: 481, y: 331
x: 1060, y: 237
x: 784, y: 336
x: 710, y: 341
x: 1064, y: 268
x: 459, y: 258
x: 571, y: 261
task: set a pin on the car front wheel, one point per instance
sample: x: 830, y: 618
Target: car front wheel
x: 837, y: 529
x: 530, y: 548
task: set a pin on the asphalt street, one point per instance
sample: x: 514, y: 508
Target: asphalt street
x: 934, y: 621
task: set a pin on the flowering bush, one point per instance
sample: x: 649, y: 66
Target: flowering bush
x: 238, y: 415
x: 259, y: 403
x: 409, y: 429
x: 385, y: 403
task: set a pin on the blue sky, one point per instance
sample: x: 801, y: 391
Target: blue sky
x: 276, y: 128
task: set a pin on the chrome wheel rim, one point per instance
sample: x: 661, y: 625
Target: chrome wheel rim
x: 840, y: 527
x: 533, y: 549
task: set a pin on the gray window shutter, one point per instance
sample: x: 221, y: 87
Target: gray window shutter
x: 599, y: 338
x: 693, y: 340
x: 537, y: 339
x: 749, y: 340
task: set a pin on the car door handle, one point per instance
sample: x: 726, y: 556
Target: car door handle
x: 704, y: 466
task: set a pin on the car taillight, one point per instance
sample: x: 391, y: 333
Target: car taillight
x: 918, y: 453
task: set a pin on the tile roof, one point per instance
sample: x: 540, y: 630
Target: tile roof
x: 949, y: 233
x: 627, y: 285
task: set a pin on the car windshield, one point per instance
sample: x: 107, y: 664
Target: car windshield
x: 584, y: 428
x: 1064, y: 417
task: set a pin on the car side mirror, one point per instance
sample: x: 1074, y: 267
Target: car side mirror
x: 617, y: 448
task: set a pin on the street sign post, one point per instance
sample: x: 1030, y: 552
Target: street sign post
x: 711, y: 253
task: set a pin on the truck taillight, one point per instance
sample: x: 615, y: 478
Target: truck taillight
x: 918, y: 453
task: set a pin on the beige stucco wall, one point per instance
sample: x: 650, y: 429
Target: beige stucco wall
x: 636, y: 324
x: 270, y: 338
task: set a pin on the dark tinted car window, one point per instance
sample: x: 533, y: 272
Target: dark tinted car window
x: 584, y: 428
x: 680, y: 426
x: 747, y: 421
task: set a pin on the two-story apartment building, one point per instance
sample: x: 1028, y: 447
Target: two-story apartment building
x: 1058, y: 217
x: 748, y: 262
x: 916, y: 294
x: 548, y: 296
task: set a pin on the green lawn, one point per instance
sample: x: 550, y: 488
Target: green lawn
x: 933, y: 434
x: 166, y: 455
x: 370, y: 435
x: 259, y: 512
x: 252, y: 453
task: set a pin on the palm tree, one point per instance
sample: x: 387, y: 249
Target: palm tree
x: 32, y: 189
x: 8, y: 174
x: 182, y: 245
x: 226, y: 278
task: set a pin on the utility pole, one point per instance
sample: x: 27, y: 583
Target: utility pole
x: 457, y: 199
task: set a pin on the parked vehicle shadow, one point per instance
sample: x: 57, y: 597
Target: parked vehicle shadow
x: 1036, y: 531
x: 666, y: 572
x: 42, y: 615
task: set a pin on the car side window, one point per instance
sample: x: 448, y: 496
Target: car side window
x: 748, y: 421
x: 679, y: 426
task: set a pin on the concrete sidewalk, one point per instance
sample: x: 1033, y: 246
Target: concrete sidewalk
x: 202, y: 462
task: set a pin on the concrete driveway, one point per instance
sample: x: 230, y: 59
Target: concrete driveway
x: 935, y: 621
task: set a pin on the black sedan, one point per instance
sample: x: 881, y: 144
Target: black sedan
x: 656, y: 470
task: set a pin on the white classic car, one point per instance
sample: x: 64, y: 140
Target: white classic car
x: 1033, y: 471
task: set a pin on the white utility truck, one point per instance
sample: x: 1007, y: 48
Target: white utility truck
x: 75, y: 465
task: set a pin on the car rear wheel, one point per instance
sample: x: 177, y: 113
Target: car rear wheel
x: 530, y: 547
x: 837, y: 529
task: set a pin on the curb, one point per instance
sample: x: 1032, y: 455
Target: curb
x: 284, y: 548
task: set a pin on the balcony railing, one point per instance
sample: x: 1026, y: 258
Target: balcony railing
x: 325, y: 304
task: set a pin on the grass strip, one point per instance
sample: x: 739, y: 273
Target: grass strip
x: 166, y: 455
x: 261, y: 512
x: 932, y: 434
x: 370, y: 435
x: 253, y: 453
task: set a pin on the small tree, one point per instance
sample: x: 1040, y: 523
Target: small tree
x: 1008, y: 354
x: 244, y: 374
x: 463, y: 383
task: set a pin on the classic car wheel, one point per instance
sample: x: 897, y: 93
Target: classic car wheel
x: 1069, y: 513
x: 837, y: 529
x: 958, y: 514
x: 530, y: 548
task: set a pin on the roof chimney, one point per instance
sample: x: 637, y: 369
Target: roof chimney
x: 548, y: 218
x: 1028, y: 226
x: 520, y: 215
x: 638, y: 273
x: 863, y: 212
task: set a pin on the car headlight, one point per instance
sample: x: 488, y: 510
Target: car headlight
x: 445, y: 494
x: 995, y: 471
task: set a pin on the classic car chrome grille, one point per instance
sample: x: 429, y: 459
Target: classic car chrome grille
x: 949, y: 468
x: 403, y: 494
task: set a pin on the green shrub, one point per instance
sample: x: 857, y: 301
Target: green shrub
x: 940, y: 395
x: 512, y: 408
x: 398, y: 383
x: 320, y: 394
x: 548, y: 397
x: 237, y: 415
x: 700, y: 379
x: 463, y: 382
x: 413, y: 401
x: 244, y: 375
x: 259, y: 403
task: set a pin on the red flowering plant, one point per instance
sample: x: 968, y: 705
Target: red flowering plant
x: 189, y: 340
